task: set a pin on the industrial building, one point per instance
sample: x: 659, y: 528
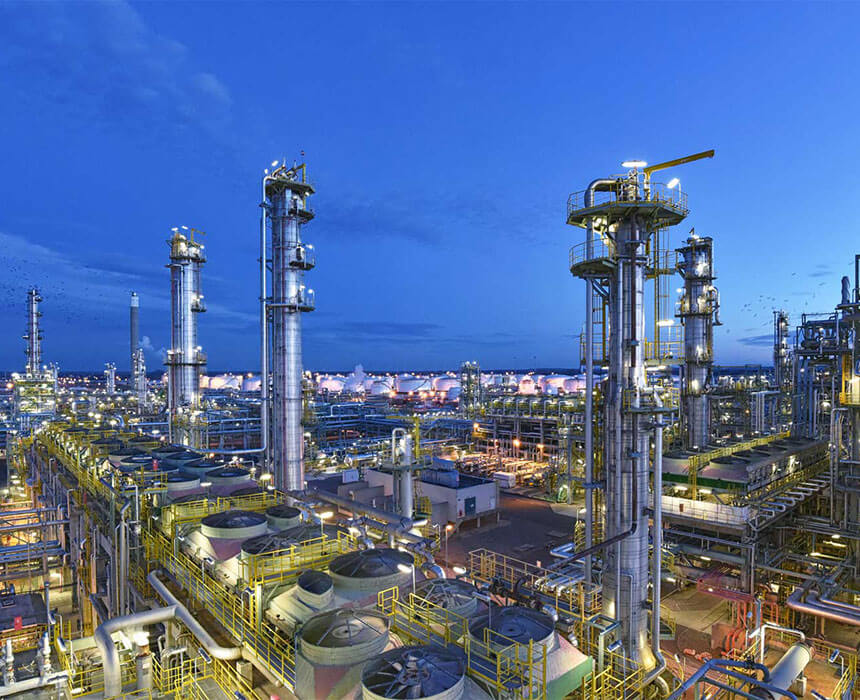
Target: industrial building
x: 296, y: 535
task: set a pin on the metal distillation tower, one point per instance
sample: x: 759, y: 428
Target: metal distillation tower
x: 285, y: 194
x: 185, y: 359
x: 138, y: 363
x: 33, y: 336
x: 621, y: 214
x: 698, y: 310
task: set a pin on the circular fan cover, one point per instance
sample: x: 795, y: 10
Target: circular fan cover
x: 286, y: 538
x: 414, y: 672
x: 370, y: 563
x: 282, y: 510
x: 519, y: 624
x: 344, y: 628
x: 317, y: 582
x: 234, y: 519
x: 448, y: 593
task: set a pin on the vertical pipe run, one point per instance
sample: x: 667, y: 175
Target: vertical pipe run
x: 134, y: 331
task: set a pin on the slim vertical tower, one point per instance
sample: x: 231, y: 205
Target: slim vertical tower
x: 110, y: 378
x: 185, y: 358
x: 285, y: 193
x: 699, y: 311
x: 134, y: 329
x: 34, y: 333
x: 621, y: 214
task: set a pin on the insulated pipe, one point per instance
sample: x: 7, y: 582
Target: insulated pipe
x: 813, y: 606
x: 401, y: 523
x: 594, y: 186
x: 175, y: 610
x: 785, y: 671
x: 134, y: 333
x: 721, y: 665
x: 657, y: 551
x: 33, y: 683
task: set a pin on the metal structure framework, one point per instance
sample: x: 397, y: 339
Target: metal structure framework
x: 185, y: 358
x: 285, y: 208
x: 620, y: 215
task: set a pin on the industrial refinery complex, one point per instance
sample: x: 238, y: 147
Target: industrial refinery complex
x: 651, y: 525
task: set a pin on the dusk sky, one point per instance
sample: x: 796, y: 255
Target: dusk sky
x: 443, y: 140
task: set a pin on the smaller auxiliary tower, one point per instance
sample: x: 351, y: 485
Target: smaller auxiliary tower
x: 185, y: 359
x: 698, y: 309
x: 285, y: 212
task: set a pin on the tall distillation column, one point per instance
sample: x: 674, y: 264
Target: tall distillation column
x: 285, y: 194
x: 110, y: 378
x: 699, y: 311
x: 620, y: 215
x: 185, y: 358
x: 34, y: 333
x: 138, y: 363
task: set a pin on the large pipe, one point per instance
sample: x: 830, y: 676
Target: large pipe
x: 400, y: 522
x: 594, y: 186
x: 785, y: 671
x: 34, y: 683
x: 175, y: 610
x: 814, y: 606
x: 657, y: 549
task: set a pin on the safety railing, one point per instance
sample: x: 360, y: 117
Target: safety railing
x: 514, y: 670
x: 284, y: 565
x: 233, y: 612
x: 599, y: 250
x: 618, y: 194
x: 620, y: 679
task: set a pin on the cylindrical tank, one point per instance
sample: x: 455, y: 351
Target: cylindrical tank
x: 282, y: 517
x: 371, y: 570
x: 228, y: 476
x: 518, y: 624
x: 786, y: 670
x: 234, y: 525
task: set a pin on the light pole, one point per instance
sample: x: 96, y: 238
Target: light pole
x: 448, y: 528
x: 325, y: 515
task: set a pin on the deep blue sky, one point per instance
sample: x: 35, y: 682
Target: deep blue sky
x: 443, y: 140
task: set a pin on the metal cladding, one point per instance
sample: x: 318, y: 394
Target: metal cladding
x: 698, y: 310
x: 33, y: 336
x: 185, y: 357
x: 285, y: 194
x: 781, y: 356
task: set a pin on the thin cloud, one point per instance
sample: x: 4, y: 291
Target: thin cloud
x: 103, y: 60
